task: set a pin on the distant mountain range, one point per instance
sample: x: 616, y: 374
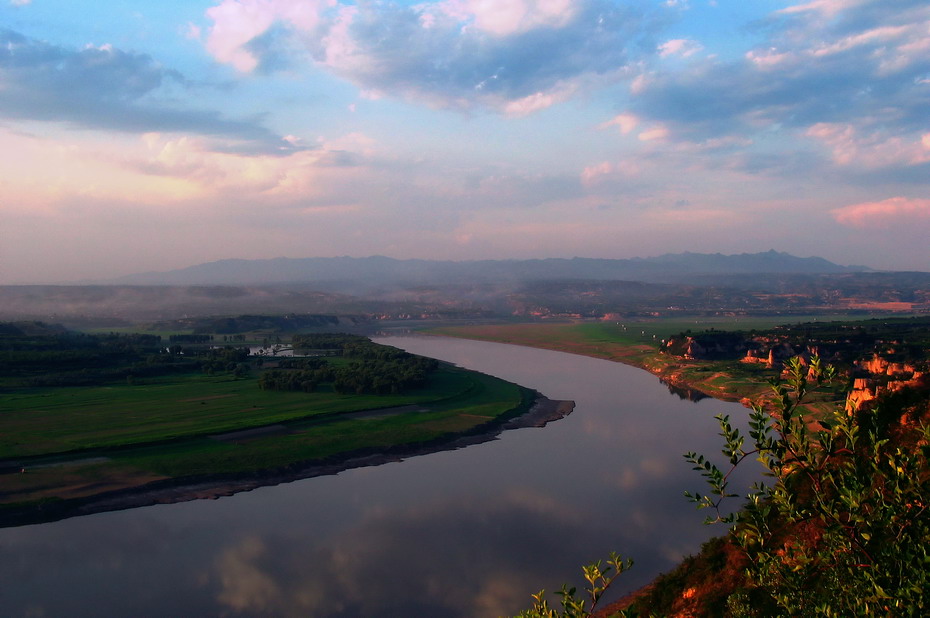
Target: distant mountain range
x: 378, y: 272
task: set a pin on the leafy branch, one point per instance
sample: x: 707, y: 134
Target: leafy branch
x: 599, y: 579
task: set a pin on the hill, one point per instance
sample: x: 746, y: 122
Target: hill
x: 378, y: 271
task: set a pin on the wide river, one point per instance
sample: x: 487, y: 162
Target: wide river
x: 471, y: 532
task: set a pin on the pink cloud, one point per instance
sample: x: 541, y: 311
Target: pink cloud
x: 679, y: 47
x: 606, y: 170
x: 769, y: 58
x: 640, y: 83
x: 458, y: 37
x: 593, y: 172
x: 208, y: 174
x: 236, y: 22
x: 884, y: 34
x: 870, y: 150
x: 506, y: 17
x: 340, y: 48
x: 539, y: 100
x: 826, y: 7
x: 655, y: 133
x: 39, y: 174
x: 626, y: 121
x: 880, y: 214
x: 894, y: 47
x: 840, y: 137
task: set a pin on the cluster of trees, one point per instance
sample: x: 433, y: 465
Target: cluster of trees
x: 379, y: 377
x: 190, y: 338
x: 327, y: 341
x: 375, y: 369
x: 380, y: 369
x: 56, y: 357
x: 297, y: 374
x: 368, y: 350
x: 250, y: 323
x: 227, y: 359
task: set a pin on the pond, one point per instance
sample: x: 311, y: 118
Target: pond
x: 470, y: 532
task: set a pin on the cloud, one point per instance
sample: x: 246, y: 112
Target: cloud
x: 679, y: 47
x: 173, y: 172
x: 858, y: 63
x: 606, y: 171
x: 513, y: 56
x: 101, y: 73
x: 508, y: 17
x: 244, y: 586
x: 302, y: 176
x: 92, y: 168
x: 237, y: 23
x: 872, y: 150
x: 825, y: 7
x: 484, y: 573
x: 538, y: 101
x: 451, y: 64
x: 883, y: 213
x: 626, y: 122
x: 103, y: 87
x: 593, y: 173
x: 655, y: 133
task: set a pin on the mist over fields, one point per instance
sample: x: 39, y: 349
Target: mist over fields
x: 375, y: 288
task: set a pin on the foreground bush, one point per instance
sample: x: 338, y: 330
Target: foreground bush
x: 842, y: 527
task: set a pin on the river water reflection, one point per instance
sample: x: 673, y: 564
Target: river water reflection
x: 471, y: 532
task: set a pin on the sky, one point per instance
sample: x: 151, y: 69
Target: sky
x: 139, y: 136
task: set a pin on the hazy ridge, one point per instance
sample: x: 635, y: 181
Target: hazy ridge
x: 380, y: 270
x: 380, y: 288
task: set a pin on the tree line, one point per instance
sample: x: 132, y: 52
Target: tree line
x: 374, y: 369
x: 55, y: 357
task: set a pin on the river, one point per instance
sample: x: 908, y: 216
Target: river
x: 465, y: 533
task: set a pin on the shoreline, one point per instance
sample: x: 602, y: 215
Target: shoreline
x: 183, y: 489
x: 638, y: 356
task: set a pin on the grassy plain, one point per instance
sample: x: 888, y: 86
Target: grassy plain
x: 76, y: 442
x: 637, y: 343
x: 61, y: 420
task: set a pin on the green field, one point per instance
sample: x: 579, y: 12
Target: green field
x: 76, y: 442
x: 57, y: 420
x: 646, y: 332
